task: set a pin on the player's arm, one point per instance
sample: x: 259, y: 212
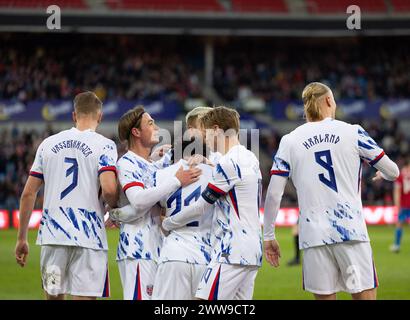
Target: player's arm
x: 27, y: 201
x: 279, y: 173
x: 193, y: 212
x: 375, y: 156
x: 273, y: 199
x: 387, y: 169
x: 109, y: 187
x: 272, y: 203
x: 143, y: 199
x: 107, y: 173
x: 397, y: 193
x: 225, y: 177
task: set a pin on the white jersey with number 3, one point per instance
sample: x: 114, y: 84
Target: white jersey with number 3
x: 70, y: 163
x: 324, y: 161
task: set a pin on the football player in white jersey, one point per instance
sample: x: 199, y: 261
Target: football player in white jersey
x: 140, y: 238
x: 77, y: 167
x: 186, y: 251
x: 193, y: 125
x: 234, y: 188
x: 324, y: 158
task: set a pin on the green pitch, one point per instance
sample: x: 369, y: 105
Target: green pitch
x: 283, y: 283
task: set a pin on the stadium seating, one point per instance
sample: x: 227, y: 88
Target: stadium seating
x: 339, y: 6
x: 278, y: 6
x: 166, y: 5
x: 401, y: 5
x: 74, y: 4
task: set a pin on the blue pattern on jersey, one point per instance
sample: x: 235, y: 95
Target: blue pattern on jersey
x: 126, y: 158
x: 364, y: 145
x: 105, y: 161
x: 238, y: 170
x: 342, y: 211
x: 58, y: 227
x: 70, y: 217
x: 86, y: 228
x: 281, y: 164
x: 221, y: 171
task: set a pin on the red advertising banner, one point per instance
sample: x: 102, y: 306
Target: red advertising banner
x: 4, y: 219
x: 34, y: 219
x: 374, y: 215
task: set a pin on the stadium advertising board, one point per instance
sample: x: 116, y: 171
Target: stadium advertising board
x: 34, y: 222
x: 61, y: 110
x: 374, y: 215
x: 4, y: 219
x: 347, y: 109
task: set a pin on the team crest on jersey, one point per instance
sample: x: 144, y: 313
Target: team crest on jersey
x: 150, y: 287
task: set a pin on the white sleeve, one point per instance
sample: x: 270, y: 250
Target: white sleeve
x: 140, y: 197
x: 107, y: 157
x: 281, y: 165
x: 375, y: 156
x: 144, y: 199
x: 390, y: 171
x: 272, y: 203
x: 125, y: 214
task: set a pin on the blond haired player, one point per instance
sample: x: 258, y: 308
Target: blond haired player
x: 195, y: 131
x: 140, y: 236
x: 323, y: 158
x: 234, y: 190
x: 77, y: 167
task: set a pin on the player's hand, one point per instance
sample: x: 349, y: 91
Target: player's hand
x: 111, y: 224
x: 377, y: 176
x: 197, y: 159
x: 115, y: 216
x: 186, y: 177
x: 21, y: 252
x: 272, y: 252
x: 159, y: 152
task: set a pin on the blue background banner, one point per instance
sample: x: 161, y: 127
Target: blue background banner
x: 61, y: 110
x: 347, y: 109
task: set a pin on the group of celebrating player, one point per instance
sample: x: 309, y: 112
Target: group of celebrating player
x: 189, y: 225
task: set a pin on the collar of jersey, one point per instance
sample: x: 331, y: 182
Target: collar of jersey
x: 86, y: 130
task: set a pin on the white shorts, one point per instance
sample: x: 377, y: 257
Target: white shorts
x: 137, y: 278
x: 177, y: 280
x: 222, y: 281
x: 346, y: 266
x: 75, y: 271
